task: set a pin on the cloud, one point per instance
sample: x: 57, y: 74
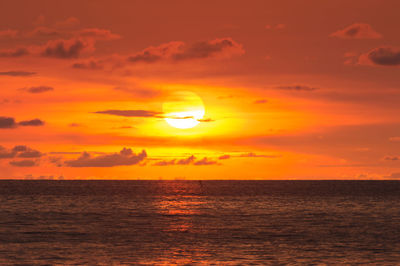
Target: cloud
x: 124, y: 157
x: 66, y: 49
x: 17, y: 73
x: 391, y: 158
x: 17, y: 52
x: 38, y: 89
x: 199, y: 50
x: 191, y: 160
x: 154, y: 54
x: 260, y: 101
x: 224, y: 157
x: 6, y: 154
x: 179, y: 51
x: 205, y: 161
x: 186, y: 161
x: 381, y: 56
x: 394, y: 139
x: 130, y: 113
x: 91, y: 65
x: 7, y: 122
x: 19, y: 151
x: 357, y: 31
x: 23, y: 163
x: 35, y: 122
x: 296, y: 88
x: 22, y: 151
x: 165, y: 163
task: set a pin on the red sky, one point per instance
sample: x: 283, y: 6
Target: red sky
x: 290, y: 89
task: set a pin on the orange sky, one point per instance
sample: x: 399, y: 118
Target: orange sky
x: 291, y: 89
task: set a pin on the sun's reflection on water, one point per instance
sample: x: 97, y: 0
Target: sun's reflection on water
x: 180, y: 211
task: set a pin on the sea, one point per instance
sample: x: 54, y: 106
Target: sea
x: 66, y: 222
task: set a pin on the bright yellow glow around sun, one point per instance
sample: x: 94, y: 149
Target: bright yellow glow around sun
x: 183, y: 109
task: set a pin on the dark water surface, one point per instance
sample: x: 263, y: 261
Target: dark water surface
x: 192, y: 222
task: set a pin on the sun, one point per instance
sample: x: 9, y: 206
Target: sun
x: 183, y: 109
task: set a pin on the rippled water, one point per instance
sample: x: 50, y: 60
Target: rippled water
x: 192, y: 222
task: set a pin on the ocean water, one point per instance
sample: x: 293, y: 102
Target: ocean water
x: 199, y: 223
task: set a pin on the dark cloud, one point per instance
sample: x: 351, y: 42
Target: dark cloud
x: 357, y: 31
x: 165, y: 163
x: 186, y: 161
x: 6, y: 154
x: 391, y: 158
x: 191, y: 160
x: 7, y: 122
x: 205, y: 161
x: 30, y: 154
x: 18, y: 52
x: 154, y: 54
x: 382, y: 56
x: 35, y: 122
x: 17, y: 73
x: 296, y: 88
x: 209, y: 49
x: 124, y: 157
x: 91, y: 65
x: 20, y: 148
x: 24, y: 163
x: 65, y: 49
x: 260, y: 101
x: 178, y: 51
x: 130, y: 113
x: 19, y: 151
x: 224, y: 157
x: 38, y: 89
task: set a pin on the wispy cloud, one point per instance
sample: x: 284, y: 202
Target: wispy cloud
x: 17, y: 73
x: 130, y: 113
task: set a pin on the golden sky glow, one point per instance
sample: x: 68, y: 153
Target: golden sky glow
x: 199, y: 89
